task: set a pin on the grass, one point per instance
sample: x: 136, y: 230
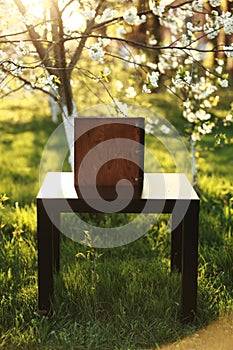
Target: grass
x: 122, y: 298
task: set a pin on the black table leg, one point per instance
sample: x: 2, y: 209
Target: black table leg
x: 190, y: 262
x: 56, y: 241
x: 176, y: 244
x: 45, y: 258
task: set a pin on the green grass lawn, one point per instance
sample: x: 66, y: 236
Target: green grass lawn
x: 122, y: 298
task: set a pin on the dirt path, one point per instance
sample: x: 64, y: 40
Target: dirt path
x: 216, y: 336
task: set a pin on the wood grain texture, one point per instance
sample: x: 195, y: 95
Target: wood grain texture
x: 108, y: 150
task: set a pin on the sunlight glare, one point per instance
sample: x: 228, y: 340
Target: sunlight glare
x: 73, y: 20
x: 34, y: 8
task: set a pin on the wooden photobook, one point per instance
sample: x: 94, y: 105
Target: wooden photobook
x: 107, y: 152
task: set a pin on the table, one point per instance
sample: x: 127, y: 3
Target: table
x: 162, y: 193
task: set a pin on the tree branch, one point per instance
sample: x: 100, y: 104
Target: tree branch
x: 27, y: 82
x: 93, y: 76
x: 78, y: 52
x: 146, y: 46
x: 140, y: 13
x: 11, y: 91
x: 66, y: 5
x: 34, y: 37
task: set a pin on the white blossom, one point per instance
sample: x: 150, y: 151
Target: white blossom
x: 210, y: 31
x: 152, y: 65
x: 137, y: 59
x: 12, y: 67
x: 21, y: 49
x: 219, y: 69
x: 165, y: 129
x: 106, y: 71
x: 181, y: 79
x: 146, y: 89
x: 142, y: 19
x: 88, y: 14
x: 205, y: 128
x: 195, y: 136
x: 206, y: 104
x: 157, y: 9
x: 215, y: 3
x: 153, y: 42
x: 213, y: 24
x: 108, y: 14
x: 223, y: 82
x: 193, y: 28
x: 149, y: 120
x: 191, y: 117
x: 183, y: 27
x: 131, y: 17
x: 229, y: 118
x: 202, y: 115
x: 96, y: 52
x: 105, y: 42
x: 220, y: 62
x: 52, y: 79
x: 189, y: 26
x: 185, y: 40
x: 229, y: 50
x: 121, y: 31
x: 153, y: 78
x: 119, y: 85
x: 187, y: 104
x: 149, y: 129
x: 176, y: 19
x: 203, y: 89
x: 168, y: 60
x: 130, y: 92
x: 228, y: 25
x: 197, y: 5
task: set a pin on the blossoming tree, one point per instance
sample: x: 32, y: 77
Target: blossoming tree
x: 43, y: 42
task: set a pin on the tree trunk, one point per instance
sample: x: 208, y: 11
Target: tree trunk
x: 54, y: 61
x: 68, y: 121
x: 55, y: 110
x: 60, y: 109
x: 194, y: 169
x: 68, y: 112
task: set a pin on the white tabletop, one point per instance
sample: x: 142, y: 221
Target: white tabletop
x: 59, y: 185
